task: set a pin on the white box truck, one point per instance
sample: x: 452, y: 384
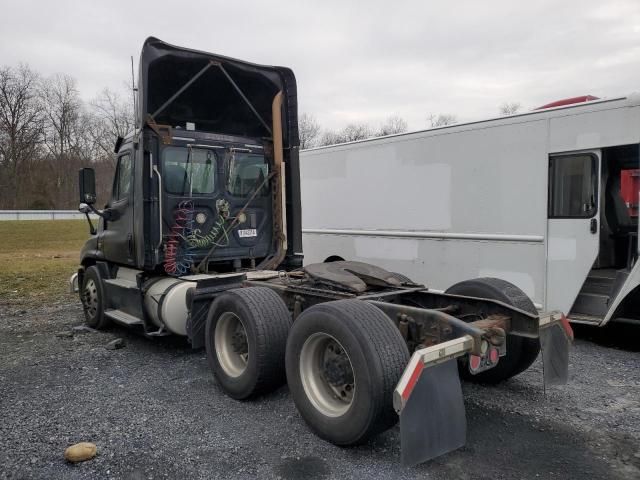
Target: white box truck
x: 540, y: 199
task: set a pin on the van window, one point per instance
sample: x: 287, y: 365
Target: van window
x: 122, y: 184
x: 573, y: 183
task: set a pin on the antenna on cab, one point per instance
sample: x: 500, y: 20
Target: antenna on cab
x: 134, y: 92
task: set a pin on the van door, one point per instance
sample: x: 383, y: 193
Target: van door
x: 573, y: 225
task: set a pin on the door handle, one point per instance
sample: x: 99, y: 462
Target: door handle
x: 593, y: 226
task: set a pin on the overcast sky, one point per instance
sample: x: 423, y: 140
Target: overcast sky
x: 354, y: 61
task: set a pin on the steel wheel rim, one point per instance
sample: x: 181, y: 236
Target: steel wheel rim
x: 228, y: 334
x: 331, y: 398
x: 91, y: 298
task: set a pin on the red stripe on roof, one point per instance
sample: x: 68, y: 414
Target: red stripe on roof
x: 568, y: 101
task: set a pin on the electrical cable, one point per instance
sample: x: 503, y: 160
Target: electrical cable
x: 178, y: 254
x: 203, y: 265
x: 196, y: 240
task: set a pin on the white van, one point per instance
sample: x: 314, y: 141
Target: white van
x: 539, y: 199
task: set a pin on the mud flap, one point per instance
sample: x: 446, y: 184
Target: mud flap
x: 433, y: 420
x: 555, y: 345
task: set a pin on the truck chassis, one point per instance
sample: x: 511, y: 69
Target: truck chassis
x: 343, y: 333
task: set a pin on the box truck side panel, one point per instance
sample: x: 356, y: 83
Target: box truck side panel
x: 440, y: 206
x: 602, y: 127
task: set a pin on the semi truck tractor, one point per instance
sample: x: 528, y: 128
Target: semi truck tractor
x: 202, y: 238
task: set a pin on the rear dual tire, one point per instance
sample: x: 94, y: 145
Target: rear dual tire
x: 343, y: 361
x: 245, y: 340
x: 360, y: 345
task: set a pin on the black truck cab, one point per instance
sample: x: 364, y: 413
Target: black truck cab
x: 197, y: 186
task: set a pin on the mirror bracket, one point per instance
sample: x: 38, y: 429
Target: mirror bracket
x: 86, y: 209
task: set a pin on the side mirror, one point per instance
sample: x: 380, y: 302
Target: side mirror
x: 87, y: 183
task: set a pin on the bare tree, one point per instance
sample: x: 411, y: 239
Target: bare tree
x: 392, y: 125
x: 20, y: 130
x: 65, y: 134
x: 356, y: 131
x: 510, y: 108
x: 47, y: 133
x: 350, y: 133
x: 441, y: 119
x: 112, y: 117
x: 330, y: 137
x: 309, y: 130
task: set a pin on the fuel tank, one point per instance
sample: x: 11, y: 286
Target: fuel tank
x: 165, y: 301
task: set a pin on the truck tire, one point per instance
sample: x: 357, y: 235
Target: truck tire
x: 521, y: 352
x: 92, y: 298
x: 344, y: 359
x: 245, y: 341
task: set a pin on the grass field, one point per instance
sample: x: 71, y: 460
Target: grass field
x: 37, y: 257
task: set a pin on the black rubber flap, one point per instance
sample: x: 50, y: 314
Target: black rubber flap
x: 354, y: 276
x: 433, y: 421
x: 555, y: 355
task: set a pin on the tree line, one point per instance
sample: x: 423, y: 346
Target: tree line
x: 313, y: 135
x: 48, y: 132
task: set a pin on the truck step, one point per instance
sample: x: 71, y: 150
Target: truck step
x: 591, y: 304
x: 597, y: 287
x: 605, y: 273
x: 123, y: 317
x: 121, y: 282
x: 599, y: 282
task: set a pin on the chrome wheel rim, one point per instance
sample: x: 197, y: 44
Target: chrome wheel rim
x: 90, y: 298
x: 231, y: 343
x: 327, y: 374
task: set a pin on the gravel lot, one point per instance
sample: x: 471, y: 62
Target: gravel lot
x: 155, y: 411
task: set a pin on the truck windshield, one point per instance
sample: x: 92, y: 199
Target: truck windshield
x: 188, y: 171
x: 247, y: 171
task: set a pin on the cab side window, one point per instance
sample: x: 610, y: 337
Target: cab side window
x: 123, y: 179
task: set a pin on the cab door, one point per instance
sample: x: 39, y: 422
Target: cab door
x: 117, y: 237
x: 573, y: 228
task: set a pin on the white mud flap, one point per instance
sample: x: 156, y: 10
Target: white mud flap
x: 555, y: 342
x: 429, y: 400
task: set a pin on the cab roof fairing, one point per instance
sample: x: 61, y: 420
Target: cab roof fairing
x: 211, y: 101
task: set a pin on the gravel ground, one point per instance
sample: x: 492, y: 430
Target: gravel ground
x: 155, y: 411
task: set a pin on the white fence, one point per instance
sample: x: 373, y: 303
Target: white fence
x: 42, y: 215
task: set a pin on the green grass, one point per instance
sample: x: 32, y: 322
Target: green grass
x: 37, y: 257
